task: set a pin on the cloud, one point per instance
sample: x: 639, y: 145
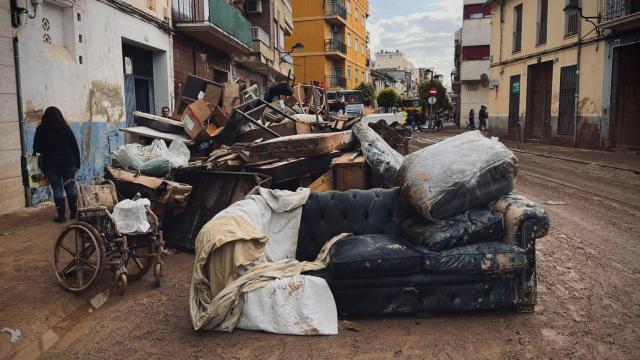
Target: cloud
x: 425, y: 36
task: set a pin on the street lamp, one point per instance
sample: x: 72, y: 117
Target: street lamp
x: 296, y: 46
x: 573, y: 8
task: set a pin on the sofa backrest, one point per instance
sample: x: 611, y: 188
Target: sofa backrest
x: 331, y: 213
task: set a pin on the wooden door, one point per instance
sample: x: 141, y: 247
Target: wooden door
x: 626, y: 113
x: 538, y: 121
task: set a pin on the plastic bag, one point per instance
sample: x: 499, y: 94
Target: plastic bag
x: 461, y: 173
x: 155, y: 159
x: 131, y: 216
x: 36, y: 175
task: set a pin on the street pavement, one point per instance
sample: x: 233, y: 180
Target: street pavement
x: 588, y: 288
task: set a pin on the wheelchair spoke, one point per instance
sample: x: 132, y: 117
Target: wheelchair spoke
x: 79, y: 274
x: 138, y: 263
x: 86, y: 263
x: 67, y: 268
x: 62, y: 245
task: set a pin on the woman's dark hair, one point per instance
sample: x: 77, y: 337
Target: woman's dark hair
x: 53, y: 119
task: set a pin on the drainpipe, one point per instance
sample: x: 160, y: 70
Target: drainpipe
x: 23, y: 144
x: 576, y: 107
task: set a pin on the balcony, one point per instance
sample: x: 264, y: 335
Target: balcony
x: 335, y: 82
x: 620, y: 14
x: 257, y: 34
x: 335, y: 13
x: 335, y: 48
x: 213, y: 22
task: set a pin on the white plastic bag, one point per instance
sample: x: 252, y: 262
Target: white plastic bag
x: 155, y: 159
x: 131, y: 216
x: 297, y: 305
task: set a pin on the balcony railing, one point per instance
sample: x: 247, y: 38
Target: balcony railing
x: 335, y: 45
x: 260, y: 35
x: 336, y: 81
x: 335, y: 8
x: 541, y: 32
x: 221, y: 14
x: 613, y: 9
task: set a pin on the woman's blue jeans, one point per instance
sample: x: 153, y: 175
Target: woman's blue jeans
x: 62, y: 181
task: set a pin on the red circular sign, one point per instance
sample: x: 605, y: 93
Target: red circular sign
x: 433, y: 91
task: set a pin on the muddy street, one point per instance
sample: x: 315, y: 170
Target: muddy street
x: 588, y: 293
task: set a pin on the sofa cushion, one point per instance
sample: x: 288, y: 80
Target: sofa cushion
x: 373, y: 255
x: 489, y: 257
x: 474, y: 226
x: 331, y: 213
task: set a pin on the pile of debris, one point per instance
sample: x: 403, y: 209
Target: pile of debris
x: 225, y: 140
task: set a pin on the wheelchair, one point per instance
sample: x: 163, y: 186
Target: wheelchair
x: 92, y: 244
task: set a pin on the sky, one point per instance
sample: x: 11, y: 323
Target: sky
x: 422, y: 29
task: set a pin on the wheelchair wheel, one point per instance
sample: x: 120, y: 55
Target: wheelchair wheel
x: 78, y: 257
x: 140, y: 259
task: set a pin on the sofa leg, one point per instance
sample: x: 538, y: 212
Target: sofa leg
x: 526, y: 308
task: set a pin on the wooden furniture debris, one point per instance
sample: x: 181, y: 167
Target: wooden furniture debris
x: 323, y: 183
x: 304, y: 145
x: 146, y: 132
x: 350, y: 173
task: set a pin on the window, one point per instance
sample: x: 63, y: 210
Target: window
x: 357, y: 46
x: 356, y: 76
x: 349, y: 40
x: 541, y: 28
x: 281, y: 38
x: 480, y: 52
x: 349, y: 72
x: 364, y: 48
x: 517, y: 28
x: 476, y: 11
x: 349, y: 7
x: 472, y: 86
x: 566, y: 113
x: 571, y: 21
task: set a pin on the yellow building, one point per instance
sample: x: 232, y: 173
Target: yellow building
x: 335, y: 41
x: 557, y: 78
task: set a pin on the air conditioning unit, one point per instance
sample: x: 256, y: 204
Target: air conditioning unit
x: 493, y: 83
x: 253, y: 6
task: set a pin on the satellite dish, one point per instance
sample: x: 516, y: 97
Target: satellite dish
x: 484, y: 79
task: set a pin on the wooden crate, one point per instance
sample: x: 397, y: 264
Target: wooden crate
x: 350, y: 173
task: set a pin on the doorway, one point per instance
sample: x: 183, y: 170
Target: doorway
x: 625, y: 114
x: 138, y: 81
x: 514, y: 102
x: 538, y: 121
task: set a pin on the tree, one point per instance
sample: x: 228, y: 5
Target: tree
x: 442, y: 100
x: 388, y: 98
x: 368, y: 93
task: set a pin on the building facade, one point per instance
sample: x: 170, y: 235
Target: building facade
x: 395, y: 64
x: 226, y: 41
x: 95, y: 60
x: 559, y: 79
x: 474, y: 41
x: 335, y: 41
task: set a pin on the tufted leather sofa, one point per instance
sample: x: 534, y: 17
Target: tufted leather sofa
x: 378, y: 272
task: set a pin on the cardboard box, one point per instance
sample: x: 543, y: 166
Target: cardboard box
x: 230, y: 97
x: 212, y: 95
x: 196, y: 121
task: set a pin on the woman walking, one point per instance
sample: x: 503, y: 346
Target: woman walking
x: 472, y: 120
x: 60, y: 159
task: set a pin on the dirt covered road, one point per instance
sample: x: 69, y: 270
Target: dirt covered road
x: 588, y: 294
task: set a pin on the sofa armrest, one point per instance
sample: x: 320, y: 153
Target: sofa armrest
x: 518, y: 211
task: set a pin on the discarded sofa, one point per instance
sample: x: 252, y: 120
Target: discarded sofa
x: 379, y: 270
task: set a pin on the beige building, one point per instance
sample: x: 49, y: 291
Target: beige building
x: 543, y: 59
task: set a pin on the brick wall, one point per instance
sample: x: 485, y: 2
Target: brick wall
x: 191, y: 57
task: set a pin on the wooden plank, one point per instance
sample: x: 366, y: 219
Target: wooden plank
x: 12, y: 195
x: 304, y: 145
x: 154, y: 134
x: 283, y: 129
x: 158, y: 118
x: 323, y: 183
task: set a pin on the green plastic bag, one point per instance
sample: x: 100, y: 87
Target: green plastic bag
x: 36, y: 177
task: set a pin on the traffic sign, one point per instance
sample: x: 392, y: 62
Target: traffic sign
x: 433, y: 91
x: 431, y: 100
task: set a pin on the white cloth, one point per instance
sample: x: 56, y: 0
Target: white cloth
x: 296, y: 305
x: 276, y: 214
